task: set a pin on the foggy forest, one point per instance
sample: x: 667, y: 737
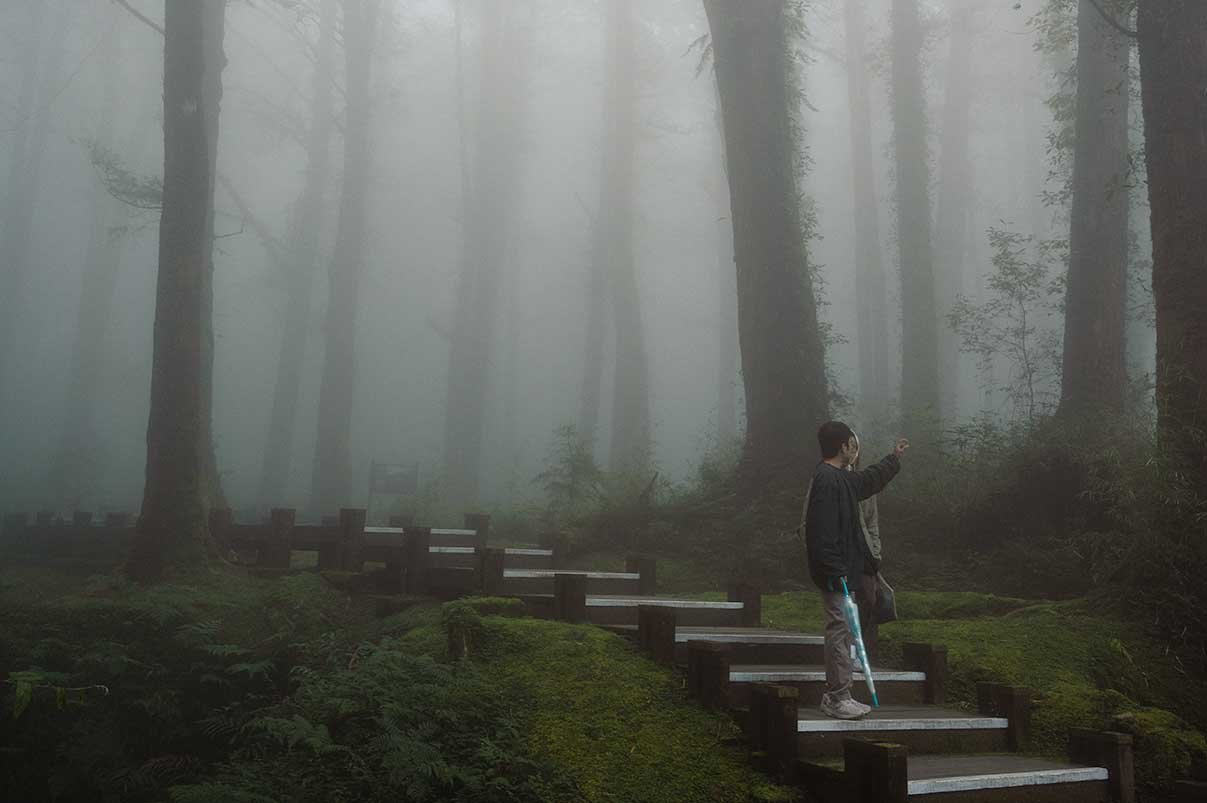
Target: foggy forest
x: 423, y: 400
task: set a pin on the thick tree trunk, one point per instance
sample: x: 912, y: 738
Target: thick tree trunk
x: 1173, y: 69
x: 871, y: 307
x: 489, y: 216
x: 1094, y: 376
x: 783, y: 357
x: 630, y: 428
x: 329, y: 488
x: 728, y: 359
x: 954, y: 223
x: 41, y: 64
x: 919, y: 348
x: 304, y: 257
x: 172, y: 530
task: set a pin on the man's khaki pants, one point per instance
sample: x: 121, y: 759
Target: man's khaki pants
x: 838, y: 636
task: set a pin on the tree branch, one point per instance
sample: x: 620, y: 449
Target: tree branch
x: 1114, y: 23
x: 150, y: 23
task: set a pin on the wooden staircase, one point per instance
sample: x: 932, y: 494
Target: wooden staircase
x: 913, y: 747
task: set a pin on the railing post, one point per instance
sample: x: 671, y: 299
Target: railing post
x: 490, y: 570
x: 647, y: 568
x: 1012, y: 702
x: 752, y: 602
x: 570, y: 597
x: 656, y: 632
x: 931, y: 659
x: 417, y: 543
x: 875, y: 772
x: 276, y: 552
x: 352, y: 536
x: 708, y: 673
x: 1115, y: 752
x: 478, y: 522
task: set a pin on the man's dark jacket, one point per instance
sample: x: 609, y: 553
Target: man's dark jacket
x: 833, y: 535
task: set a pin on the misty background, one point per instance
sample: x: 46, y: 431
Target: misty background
x: 524, y: 86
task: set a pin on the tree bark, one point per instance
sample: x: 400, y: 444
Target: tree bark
x: 783, y: 357
x: 1173, y: 69
x: 172, y: 531
x: 919, y: 352
x: 329, y: 488
x: 871, y: 305
x: 1094, y: 374
x: 489, y: 217
x: 956, y: 197
x: 304, y: 257
x: 630, y: 450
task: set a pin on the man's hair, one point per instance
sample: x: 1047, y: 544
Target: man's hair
x: 831, y: 437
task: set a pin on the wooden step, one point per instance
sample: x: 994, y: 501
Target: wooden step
x: 748, y: 645
x: 540, y: 581
x: 388, y: 536
x: 922, y: 729
x: 1003, y: 779
x: 892, y: 686
x: 622, y: 610
x: 464, y: 557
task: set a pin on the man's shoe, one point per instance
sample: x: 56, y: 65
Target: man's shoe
x: 843, y: 709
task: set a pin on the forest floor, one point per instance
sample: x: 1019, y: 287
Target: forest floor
x: 230, y: 689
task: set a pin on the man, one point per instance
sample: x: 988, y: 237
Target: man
x: 838, y: 549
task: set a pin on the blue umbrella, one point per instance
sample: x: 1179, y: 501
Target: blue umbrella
x: 852, y: 613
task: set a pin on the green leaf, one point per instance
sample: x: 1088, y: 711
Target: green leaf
x: 25, y: 693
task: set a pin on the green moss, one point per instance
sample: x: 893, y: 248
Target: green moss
x: 616, y: 722
x: 1170, y: 748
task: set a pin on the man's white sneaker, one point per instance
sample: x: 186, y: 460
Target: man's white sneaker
x: 843, y: 709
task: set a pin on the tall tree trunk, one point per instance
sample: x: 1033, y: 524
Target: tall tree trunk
x: 919, y: 352
x: 490, y: 212
x: 329, y: 489
x: 783, y: 357
x: 630, y: 429
x: 41, y: 65
x: 728, y: 359
x: 1173, y: 69
x: 1094, y: 376
x: 304, y: 252
x: 954, y: 223
x: 172, y: 529
x: 871, y: 306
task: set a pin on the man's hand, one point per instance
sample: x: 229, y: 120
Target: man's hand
x: 902, y: 445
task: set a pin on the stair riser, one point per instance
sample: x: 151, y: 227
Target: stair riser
x: 890, y: 693
x: 1085, y: 792
x: 764, y: 654
x: 685, y: 617
x: 595, y: 585
x: 920, y: 741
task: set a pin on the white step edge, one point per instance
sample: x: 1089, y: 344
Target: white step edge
x: 1005, y: 780
x: 796, y: 639
x: 535, y: 574
x: 469, y: 550
x: 937, y: 724
x: 400, y: 530
x: 625, y: 602
x: 817, y: 675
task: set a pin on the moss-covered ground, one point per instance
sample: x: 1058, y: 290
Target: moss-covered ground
x: 227, y: 689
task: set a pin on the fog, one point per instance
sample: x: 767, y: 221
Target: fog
x: 83, y: 79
